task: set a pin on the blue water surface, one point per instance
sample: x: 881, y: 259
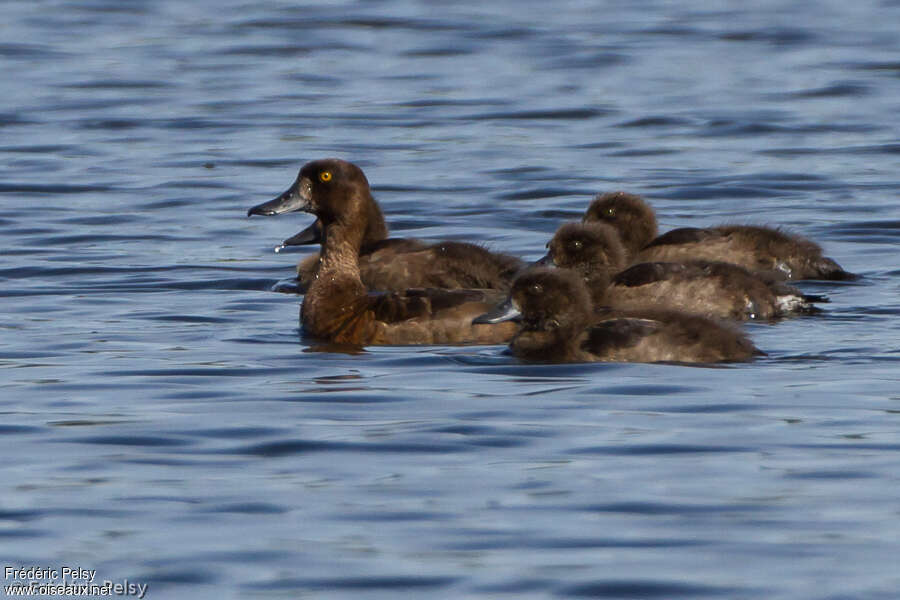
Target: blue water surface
x: 165, y: 421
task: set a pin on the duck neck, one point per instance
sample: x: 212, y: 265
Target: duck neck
x: 376, y: 229
x: 340, y: 252
x: 597, y: 282
x: 641, y: 234
x: 337, y: 284
x: 543, y: 343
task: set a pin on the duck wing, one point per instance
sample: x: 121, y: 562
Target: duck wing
x: 425, y: 303
x: 649, y: 272
x: 448, y: 265
x: 611, y: 335
x: 684, y: 235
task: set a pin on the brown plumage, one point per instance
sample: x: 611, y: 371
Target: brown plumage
x: 393, y: 264
x: 760, y: 249
x: 588, y: 248
x: 338, y: 308
x: 714, y: 289
x: 559, y: 324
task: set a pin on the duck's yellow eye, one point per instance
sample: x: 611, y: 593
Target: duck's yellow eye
x: 325, y: 176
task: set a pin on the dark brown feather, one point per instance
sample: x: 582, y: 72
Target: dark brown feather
x: 560, y: 325
x: 714, y: 289
x: 337, y: 307
x: 395, y: 264
x: 760, y: 249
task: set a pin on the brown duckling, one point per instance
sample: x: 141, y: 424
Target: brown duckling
x: 394, y: 264
x: 765, y: 250
x: 713, y: 289
x: 587, y: 248
x: 558, y: 324
x: 338, y: 308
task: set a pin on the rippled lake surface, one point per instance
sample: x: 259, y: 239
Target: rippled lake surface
x: 166, y: 422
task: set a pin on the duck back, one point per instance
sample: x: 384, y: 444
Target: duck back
x: 656, y: 335
x: 558, y: 324
x: 713, y: 289
x: 397, y: 264
x: 764, y: 250
x: 760, y: 249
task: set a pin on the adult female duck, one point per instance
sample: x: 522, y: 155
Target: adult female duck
x: 338, y: 308
x: 394, y: 264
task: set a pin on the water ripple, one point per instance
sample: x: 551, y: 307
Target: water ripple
x: 296, y: 447
x: 550, y: 114
x: 779, y: 36
x: 53, y: 188
x: 131, y: 440
x: 661, y: 449
x: 644, y: 589
x: 371, y: 584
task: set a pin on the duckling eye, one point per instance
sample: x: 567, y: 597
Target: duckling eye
x: 537, y: 289
x: 576, y: 244
x: 325, y: 176
x: 609, y: 211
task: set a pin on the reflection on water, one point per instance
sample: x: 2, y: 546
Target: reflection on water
x: 167, y: 422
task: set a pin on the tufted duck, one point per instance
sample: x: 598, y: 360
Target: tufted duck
x: 714, y: 289
x: 761, y: 249
x: 337, y: 306
x: 394, y: 264
x: 559, y: 324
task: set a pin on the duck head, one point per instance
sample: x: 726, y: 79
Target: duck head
x: 545, y: 300
x: 325, y: 188
x: 629, y: 214
x: 587, y: 248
